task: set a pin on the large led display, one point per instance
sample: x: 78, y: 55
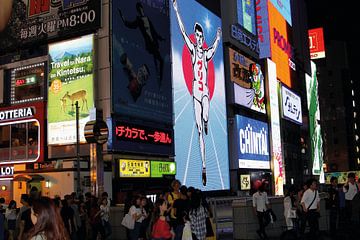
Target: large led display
x: 276, y: 145
x: 201, y: 146
x: 246, y: 15
x: 314, y: 121
x: 71, y: 80
x: 141, y: 72
x: 284, y: 8
x: 248, y: 81
x: 253, y: 143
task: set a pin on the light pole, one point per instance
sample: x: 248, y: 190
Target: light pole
x: 78, y: 182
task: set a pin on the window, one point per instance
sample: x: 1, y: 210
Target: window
x: 19, y: 141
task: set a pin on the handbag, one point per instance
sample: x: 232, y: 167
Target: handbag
x: 128, y: 221
x: 291, y: 213
x: 187, y: 232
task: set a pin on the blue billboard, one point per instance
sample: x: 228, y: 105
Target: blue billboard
x: 284, y: 8
x: 253, y: 143
x: 201, y: 146
x: 263, y: 31
x: 141, y: 73
x: 246, y: 15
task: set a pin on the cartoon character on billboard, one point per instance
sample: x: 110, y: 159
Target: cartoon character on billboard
x: 151, y: 38
x: 200, y: 58
x: 257, y: 84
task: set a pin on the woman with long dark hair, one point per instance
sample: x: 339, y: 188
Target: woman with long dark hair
x: 48, y: 224
x: 11, y: 215
x: 160, y: 228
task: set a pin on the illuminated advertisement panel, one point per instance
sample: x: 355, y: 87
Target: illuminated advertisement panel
x: 134, y: 168
x: 245, y: 183
x: 141, y: 73
x: 316, y: 43
x: 248, y: 82
x: 142, y: 138
x: 32, y: 21
x: 263, y: 30
x: 22, y: 131
x: 291, y: 105
x: 160, y: 168
x: 6, y: 173
x: 284, y: 8
x: 341, y: 176
x: 71, y: 80
x: 314, y: 121
x: 253, y: 143
x: 281, y: 49
x: 246, y: 15
x: 201, y: 146
x: 28, y: 83
x: 276, y: 146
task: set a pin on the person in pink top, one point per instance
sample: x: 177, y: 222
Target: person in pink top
x: 160, y: 227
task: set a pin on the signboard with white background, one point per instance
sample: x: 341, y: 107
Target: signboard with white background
x: 291, y: 105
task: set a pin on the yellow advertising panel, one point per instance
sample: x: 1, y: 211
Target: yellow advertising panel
x: 245, y: 182
x: 134, y: 168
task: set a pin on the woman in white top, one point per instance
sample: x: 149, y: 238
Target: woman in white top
x: 136, y: 212
x: 10, y: 215
x: 290, y: 208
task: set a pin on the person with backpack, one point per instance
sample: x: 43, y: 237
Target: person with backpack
x: 311, y: 207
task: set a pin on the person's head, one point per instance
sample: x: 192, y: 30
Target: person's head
x: 105, y: 194
x: 183, y: 191
x: 88, y: 196
x: 136, y: 201
x: 262, y: 187
x: 46, y: 218
x: 175, y: 185
x: 12, y: 204
x: 2, y: 201
x: 24, y: 200
x: 143, y: 201
x: 333, y: 181
x: 140, y: 9
x: 104, y: 201
x: 160, y: 206
x: 199, y: 34
x: 351, y: 177
x: 195, y: 200
x: 312, y: 184
x: 190, y: 191
x: 292, y: 191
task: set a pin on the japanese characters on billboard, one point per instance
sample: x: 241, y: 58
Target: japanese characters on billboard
x: 22, y: 131
x: 276, y: 146
x: 246, y: 15
x: 71, y: 80
x: 248, y: 82
x: 284, y: 8
x: 32, y: 21
x: 201, y: 145
x: 142, y: 138
x: 134, y: 168
x: 141, y: 73
x: 263, y: 30
x: 316, y: 43
x: 253, y: 143
x: 291, y: 105
x: 314, y: 121
x: 28, y: 83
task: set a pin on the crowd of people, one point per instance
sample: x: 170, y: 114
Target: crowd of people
x: 42, y: 218
x: 302, y: 208
x: 181, y: 213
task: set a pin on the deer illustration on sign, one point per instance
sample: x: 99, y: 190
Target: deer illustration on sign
x: 79, y: 95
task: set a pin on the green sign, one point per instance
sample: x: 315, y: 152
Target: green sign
x: 158, y: 169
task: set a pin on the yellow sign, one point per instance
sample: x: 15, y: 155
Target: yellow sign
x: 245, y: 182
x: 134, y: 168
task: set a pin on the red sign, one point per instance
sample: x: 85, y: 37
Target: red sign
x: 37, y: 7
x: 316, y: 43
x: 131, y: 132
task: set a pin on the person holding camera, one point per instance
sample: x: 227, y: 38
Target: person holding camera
x: 310, y: 203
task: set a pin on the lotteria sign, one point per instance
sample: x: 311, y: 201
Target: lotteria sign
x: 13, y: 114
x: 252, y: 143
x: 6, y: 172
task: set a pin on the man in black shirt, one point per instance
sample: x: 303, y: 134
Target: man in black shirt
x: 333, y: 204
x: 181, y: 207
x: 25, y: 215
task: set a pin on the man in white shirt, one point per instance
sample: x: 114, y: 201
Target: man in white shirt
x: 350, y: 189
x: 260, y: 205
x: 310, y: 203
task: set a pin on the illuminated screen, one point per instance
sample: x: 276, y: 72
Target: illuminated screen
x: 341, y: 176
x: 291, y: 105
x: 284, y: 7
x: 252, y: 143
x: 316, y: 43
x: 134, y: 168
x: 199, y: 98
x: 314, y: 121
x: 246, y: 15
x: 71, y: 80
x: 27, y: 83
x: 158, y: 169
x: 248, y: 81
x: 141, y: 72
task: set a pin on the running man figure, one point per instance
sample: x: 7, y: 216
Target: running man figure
x: 200, y: 58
